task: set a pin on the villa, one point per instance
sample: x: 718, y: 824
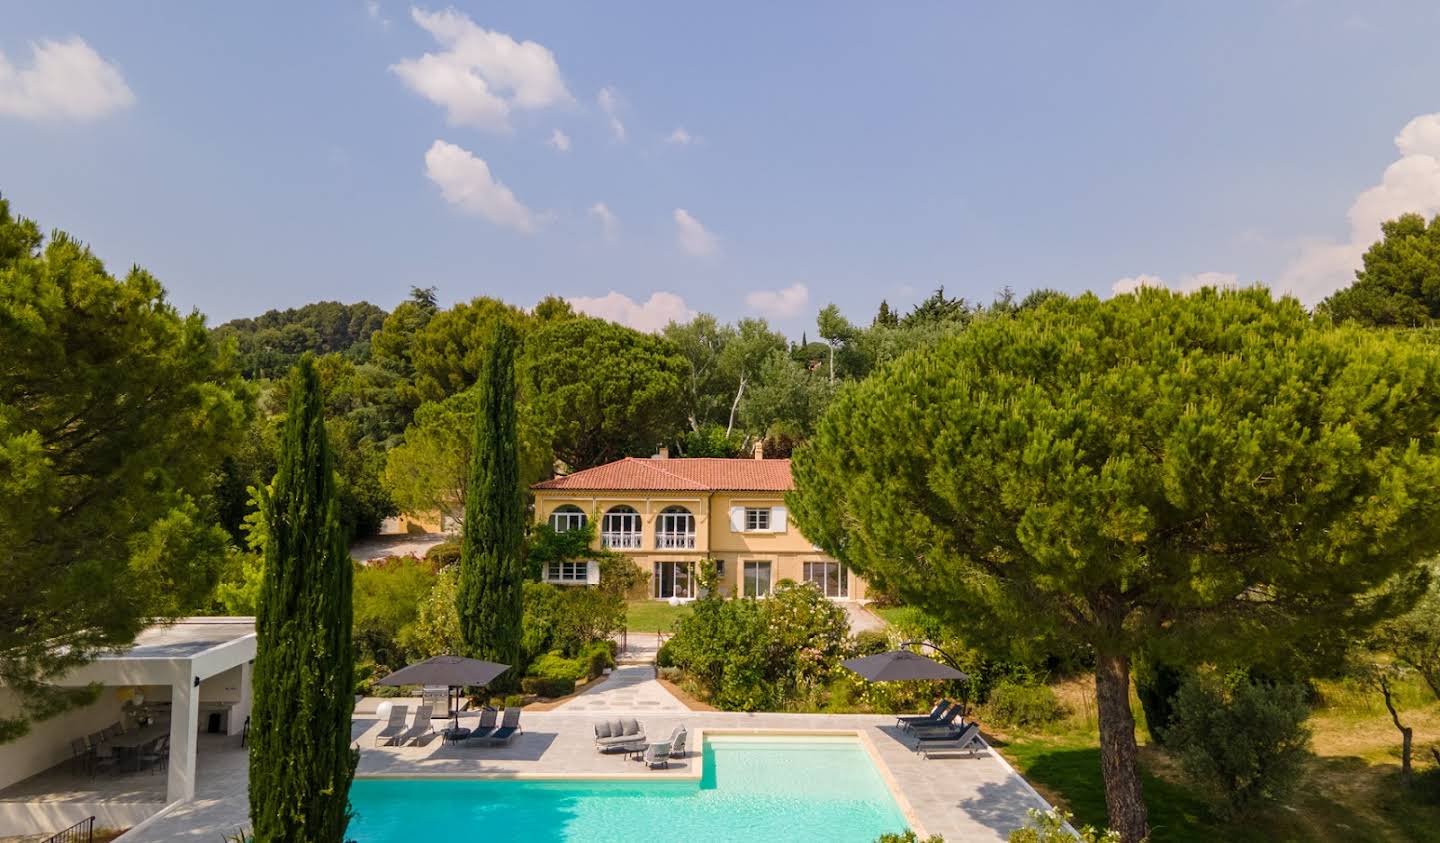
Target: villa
x: 667, y: 514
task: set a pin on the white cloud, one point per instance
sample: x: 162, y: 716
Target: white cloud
x: 66, y: 80
x: 372, y: 8
x: 694, y: 238
x: 481, y: 74
x: 465, y: 181
x: 680, y: 137
x: 655, y: 313
x: 1186, y: 284
x: 779, y: 303
x: 559, y: 140
x: 609, y: 223
x: 1410, y: 184
x: 609, y: 100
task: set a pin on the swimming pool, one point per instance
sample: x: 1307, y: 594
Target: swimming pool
x: 753, y: 788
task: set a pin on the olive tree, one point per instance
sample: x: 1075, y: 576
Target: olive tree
x: 1205, y: 473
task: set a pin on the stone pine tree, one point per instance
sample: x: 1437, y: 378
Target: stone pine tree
x: 301, y: 762
x: 491, y: 567
x: 1197, y: 477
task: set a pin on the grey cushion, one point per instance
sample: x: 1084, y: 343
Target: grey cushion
x: 616, y: 727
x: 632, y: 726
x: 620, y: 740
x: 602, y: 729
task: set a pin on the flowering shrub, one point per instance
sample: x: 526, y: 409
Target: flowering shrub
x: 753, y: 655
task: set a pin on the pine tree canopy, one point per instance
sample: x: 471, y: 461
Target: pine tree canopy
x: 1206, y: 472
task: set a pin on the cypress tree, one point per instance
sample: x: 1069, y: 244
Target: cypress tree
x: 301, y: 763
x: 491, y: 569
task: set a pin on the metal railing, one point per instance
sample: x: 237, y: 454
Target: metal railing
x: 620, y: 541
x: 665, y: 541
x: 81, y: 832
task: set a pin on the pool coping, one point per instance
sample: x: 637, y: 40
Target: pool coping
x: 694, y: 772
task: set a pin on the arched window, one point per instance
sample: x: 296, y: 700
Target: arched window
x: 620, y: 528
x: 567, y: 517
x: 675, y: 528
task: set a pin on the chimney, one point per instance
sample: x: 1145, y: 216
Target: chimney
x: 663, y: 453
x: 759, y: 449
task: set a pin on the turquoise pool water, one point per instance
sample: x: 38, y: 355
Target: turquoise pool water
x: 762, y: 789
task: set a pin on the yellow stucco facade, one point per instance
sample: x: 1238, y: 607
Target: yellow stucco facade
x: 750, y: 535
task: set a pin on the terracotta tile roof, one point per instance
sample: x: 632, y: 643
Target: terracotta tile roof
x: 679, y: 474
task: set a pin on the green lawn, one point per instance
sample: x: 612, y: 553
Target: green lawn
x: 653, y: 615
x: 1352, y: 790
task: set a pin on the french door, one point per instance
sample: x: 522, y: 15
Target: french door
x: 832, y: 578
x: 674, y: 579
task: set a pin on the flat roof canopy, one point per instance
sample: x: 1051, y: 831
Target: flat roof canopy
x: 188, y: 650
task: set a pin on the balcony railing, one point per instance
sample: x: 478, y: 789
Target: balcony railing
x: 620, y: 541
x: 673, y: 541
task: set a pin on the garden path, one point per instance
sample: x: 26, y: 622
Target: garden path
x: 630, y: 689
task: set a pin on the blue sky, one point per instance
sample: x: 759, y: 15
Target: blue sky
x: 259, y: 155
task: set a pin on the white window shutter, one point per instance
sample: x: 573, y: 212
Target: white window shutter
x: 737, y: 519
x: 777, y: 519
x: 592, y: 572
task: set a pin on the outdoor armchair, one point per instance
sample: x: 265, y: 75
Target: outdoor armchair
x: 657, y: 755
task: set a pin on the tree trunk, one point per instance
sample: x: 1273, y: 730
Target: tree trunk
x: 1118, y: 752
x: 1407, y: 735
x: 734, y: 405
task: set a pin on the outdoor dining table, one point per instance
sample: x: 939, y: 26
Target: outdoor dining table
x: 129, y: 745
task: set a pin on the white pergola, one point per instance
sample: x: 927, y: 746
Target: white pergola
x: 182, y: 655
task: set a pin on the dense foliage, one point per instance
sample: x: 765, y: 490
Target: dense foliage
x: 491, y: 562
x: 761, y: 655
x: 269, y: 344
x: 301, y: 763
x: 1400, y: 282
x: 1244, y: 741
x: 115, y: 411
x: 1154, y: 470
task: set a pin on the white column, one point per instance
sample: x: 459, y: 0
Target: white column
x: 184, y: 729
x: 240, y: 710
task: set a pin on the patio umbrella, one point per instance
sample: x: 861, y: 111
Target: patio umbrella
x: 901, y: 665
x: 450, y: 671
x: 898, y: 665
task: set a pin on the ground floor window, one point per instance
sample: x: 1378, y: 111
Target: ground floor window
x: 568, y: 572
x: 674, y: 579
x: 757, y: 579
x: 831, y: 578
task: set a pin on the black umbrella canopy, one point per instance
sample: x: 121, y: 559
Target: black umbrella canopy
x: 447, y: 670
x: 899, y: 665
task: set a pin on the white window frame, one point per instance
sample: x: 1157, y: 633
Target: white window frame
x: 667, y: 574
x: 833, y: 577
x: 620, y: 528
x: 566, y: 518
x: 675, y: 529
x: 568, y: 572
x: 757, y: 519
x: 757, y: 565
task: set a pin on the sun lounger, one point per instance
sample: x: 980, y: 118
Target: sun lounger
x: 657, y: 755
x: 395, y: 727
x: 418, y: 729
x: 615, y: 735
x: 943, y: 722
x: 962, y: 740
x: 486, y: 725
x: 509, y: 728
x: 905, y: 720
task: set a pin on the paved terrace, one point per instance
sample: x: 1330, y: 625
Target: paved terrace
x: 962, y: 798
